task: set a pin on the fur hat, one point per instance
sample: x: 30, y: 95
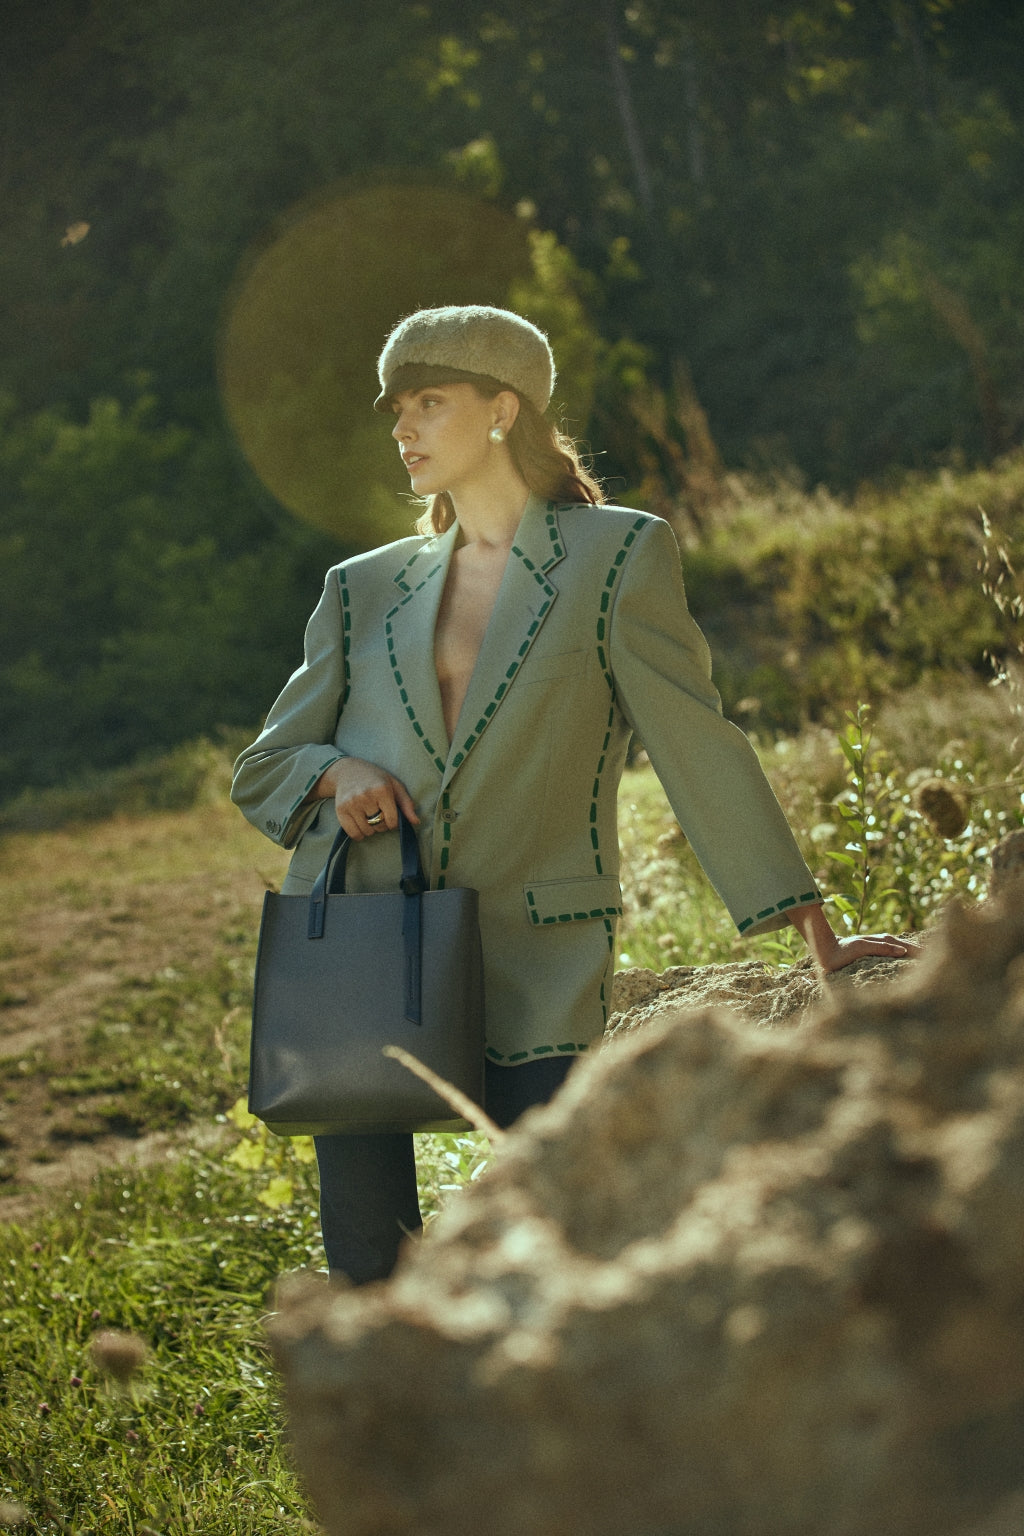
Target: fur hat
x: 462, y: 343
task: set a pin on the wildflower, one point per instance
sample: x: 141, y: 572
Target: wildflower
x: 198, y: 1410
x: 119, y: 1355
x: 76, y: 1381
x: 43, y: 1409
x: 132, y: 1436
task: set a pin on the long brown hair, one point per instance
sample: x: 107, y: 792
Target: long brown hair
x: 544, y: 457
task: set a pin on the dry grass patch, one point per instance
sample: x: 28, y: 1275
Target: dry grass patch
x: 125, y: 961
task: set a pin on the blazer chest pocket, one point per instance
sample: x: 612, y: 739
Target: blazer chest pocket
x: 544, y: 669
x: 573, y: 901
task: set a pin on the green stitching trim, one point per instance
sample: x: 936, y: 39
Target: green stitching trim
x: 571, y: 1047
x: 609, y: 586
x: 309, y: 785
x: 557, y: 552
x: 346, y: 636
x: 346, y: 630
x: 393, y: 660
x: 780, y: 906
x: 568, y: 917
x: 610, y: 583
x: 610, y: 931
x: 537, y: 574
x: 510, y: 672
x: 595, y: 792
x: 575, y: 917
x: 400, y: 580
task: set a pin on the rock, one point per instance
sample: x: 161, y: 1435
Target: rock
x: 1007, y: 863
x: 732, y: 1280
x: 636, y: 988
x: 764, y: 994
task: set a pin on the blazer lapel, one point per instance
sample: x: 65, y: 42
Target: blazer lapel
x: 409, y: 635
x: 524, y: 600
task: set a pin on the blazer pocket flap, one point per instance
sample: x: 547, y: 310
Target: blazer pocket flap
x: 573, y: 901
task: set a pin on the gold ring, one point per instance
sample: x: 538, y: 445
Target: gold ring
x: 375, y: 820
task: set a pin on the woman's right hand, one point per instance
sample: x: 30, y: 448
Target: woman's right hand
x: 360, y: 790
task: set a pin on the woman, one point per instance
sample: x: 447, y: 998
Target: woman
x: 485, y: 678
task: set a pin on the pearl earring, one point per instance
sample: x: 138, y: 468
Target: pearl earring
x: 497, y: 434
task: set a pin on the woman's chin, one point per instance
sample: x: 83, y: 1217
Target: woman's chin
x: 424, y: 484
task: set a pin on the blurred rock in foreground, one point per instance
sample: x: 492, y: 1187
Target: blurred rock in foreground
x: 733, y: 1282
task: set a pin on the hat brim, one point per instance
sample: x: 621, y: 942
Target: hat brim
x: 413, y: 376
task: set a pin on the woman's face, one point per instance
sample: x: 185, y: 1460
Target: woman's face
x: 442, y: 433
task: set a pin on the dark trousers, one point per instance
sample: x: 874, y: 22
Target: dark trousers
x: 368, y: 1198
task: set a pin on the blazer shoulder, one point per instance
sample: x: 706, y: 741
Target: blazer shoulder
x: 386, y: 557
x: 604, y: 527
x: 603, y: 515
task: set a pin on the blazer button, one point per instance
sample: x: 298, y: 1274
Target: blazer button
x: 449, y: 815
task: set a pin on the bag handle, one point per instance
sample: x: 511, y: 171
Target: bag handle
x: 331, y: 882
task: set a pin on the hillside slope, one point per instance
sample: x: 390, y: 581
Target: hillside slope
x: 125, y: 955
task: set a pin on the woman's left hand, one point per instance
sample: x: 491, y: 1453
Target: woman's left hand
x: 832, y: 953
x: 860, y: 946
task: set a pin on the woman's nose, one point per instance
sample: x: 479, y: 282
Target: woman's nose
x: 400, y: 430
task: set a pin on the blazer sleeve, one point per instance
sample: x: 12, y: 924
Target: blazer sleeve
x: 661, y: 669
x: 273, y: 776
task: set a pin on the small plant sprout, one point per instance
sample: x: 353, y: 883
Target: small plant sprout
x: 863, y: 806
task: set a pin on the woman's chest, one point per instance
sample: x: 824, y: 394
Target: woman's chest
x: 465, y: 611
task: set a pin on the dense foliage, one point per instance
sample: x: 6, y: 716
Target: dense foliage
x: 774, y: 236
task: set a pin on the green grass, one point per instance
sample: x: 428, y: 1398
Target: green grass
x: 185, y: 1256
x: 185, y: 1253
x: 182, y: 1256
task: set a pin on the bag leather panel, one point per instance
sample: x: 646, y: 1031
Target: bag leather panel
x: 324, y: 1009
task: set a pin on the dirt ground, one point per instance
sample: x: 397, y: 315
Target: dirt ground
x: 84, y: 911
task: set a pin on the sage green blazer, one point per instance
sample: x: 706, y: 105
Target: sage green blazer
x: 590, y: 640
